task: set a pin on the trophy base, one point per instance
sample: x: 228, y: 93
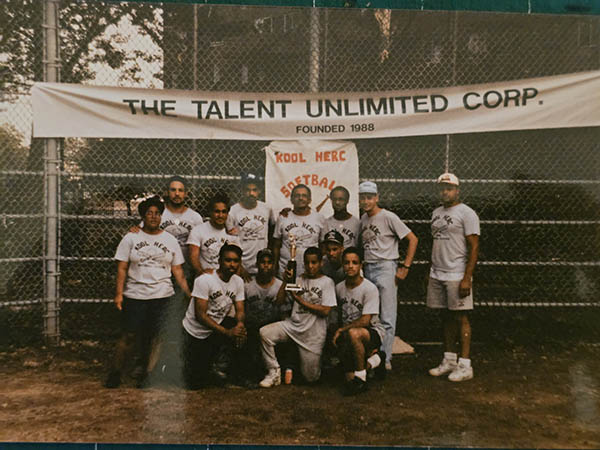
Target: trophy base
x: 293, y: 287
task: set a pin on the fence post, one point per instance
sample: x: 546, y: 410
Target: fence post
x: 51, y: 184
x: 315, y: 50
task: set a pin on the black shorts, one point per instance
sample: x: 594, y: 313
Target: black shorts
x: 144, y: 315
x: 374, y: 341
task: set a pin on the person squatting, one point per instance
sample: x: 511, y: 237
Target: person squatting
x: 275, y: 299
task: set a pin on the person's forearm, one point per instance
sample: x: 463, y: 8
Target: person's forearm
x: 473, y: 246
x: 319, y: 310
x: 180, y: 279
x: 413, y: 241
x: 194, y: 252
x: 121, y: 277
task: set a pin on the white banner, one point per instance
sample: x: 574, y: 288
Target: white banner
x: 321, y: 165
x: 562, y: 101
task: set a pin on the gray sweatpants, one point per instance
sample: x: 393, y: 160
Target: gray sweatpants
x: 273, y: 334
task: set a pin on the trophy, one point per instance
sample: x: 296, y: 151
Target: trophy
x: 291, y: 285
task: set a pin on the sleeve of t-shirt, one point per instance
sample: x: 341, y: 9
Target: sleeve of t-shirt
x: 230, y: 222
x: 124, y: 248
x: 329, y: 298
x: 240, y: 295
x: 400, y: 229
x: 277, y: 230
x: 471, y: 222
x: 195, y: 236
x: 178, y: 258
x: 201, y: 286
x: 371, y: 305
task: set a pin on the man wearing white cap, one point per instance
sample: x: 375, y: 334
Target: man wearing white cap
x: 455, y: 231
x: 380, y: 233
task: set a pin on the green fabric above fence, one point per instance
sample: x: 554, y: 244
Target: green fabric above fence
x: 516, y: 6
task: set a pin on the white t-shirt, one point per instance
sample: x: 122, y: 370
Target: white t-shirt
x: 253, y: 231
x: 306, y: 230
x: 180, y: 225
x: 449, y: 254
x: 150, y: 258
x: 221, y: 296
x: 380, y: 235
x: 210, y: 240
x: 349, y: 229
x: 305, y: 327
x: 358, y: 301
x: 261, y: 308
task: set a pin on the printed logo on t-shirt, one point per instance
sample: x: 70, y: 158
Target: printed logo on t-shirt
x: 439, y: 227
x: 178, y: 228
x: 313, y: 295
x: 151, y: 255
x: 252, y: 228
x: 211, y: 248
x: 220, y: 303
x: 369, y: 235
x: 302, y: 233
x: 351, y: 309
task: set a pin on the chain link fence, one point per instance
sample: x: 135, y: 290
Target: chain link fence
x: 537, y: 192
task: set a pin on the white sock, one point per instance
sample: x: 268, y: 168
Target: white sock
x: 374, y: 361
x: 362, y: 374
x: 464, y: 362
x: 449, y: 356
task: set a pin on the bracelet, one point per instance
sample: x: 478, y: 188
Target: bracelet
x: 405, y: 266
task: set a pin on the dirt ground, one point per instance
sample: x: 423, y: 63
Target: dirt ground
x: 520, y: 397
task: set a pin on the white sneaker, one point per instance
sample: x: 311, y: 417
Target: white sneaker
x: 388, y: 366
x: 273, y: 378
x: 461, y: 373
x: 446, y: 366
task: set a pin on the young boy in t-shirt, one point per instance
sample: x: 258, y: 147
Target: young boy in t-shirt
x: 307, y: 325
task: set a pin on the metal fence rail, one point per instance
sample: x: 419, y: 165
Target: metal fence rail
x: 537, y: 192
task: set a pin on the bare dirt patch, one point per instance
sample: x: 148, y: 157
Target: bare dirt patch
x: 520, y: 397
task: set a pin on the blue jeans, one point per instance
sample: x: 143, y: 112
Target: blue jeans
x: 383, y: 275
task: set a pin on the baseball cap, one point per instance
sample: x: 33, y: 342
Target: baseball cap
x: 334, y: 236
x: 264, y: 252
x: 250, y: 177
x: 448, y: 178
x: 367, y: 187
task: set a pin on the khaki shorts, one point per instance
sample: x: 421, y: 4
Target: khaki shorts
x: 444, y: 294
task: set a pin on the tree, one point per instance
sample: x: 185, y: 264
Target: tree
x: 84, y: 40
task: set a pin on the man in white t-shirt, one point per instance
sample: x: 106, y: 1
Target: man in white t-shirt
x: 209, y: 331
x: 205, y: 240
x: 307, y: 325
x: 302, y: 225
x: 360, y: 333
x: 455, y: 230
x: 342, y: 221
x: 380, y: 233
x: 249, y: 221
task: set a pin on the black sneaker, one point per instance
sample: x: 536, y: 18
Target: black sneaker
x: 355, y: 386
x: 113, y: 380
x: 380, y: 369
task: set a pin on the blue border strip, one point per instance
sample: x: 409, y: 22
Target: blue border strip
x: 586, y: 7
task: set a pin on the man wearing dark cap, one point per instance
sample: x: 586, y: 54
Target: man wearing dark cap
x: 333, y: 246
x: 249, y: 220
x: 455, y: 231
x: 380, y: 233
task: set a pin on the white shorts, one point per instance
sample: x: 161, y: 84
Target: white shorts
x: 444, y: 294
